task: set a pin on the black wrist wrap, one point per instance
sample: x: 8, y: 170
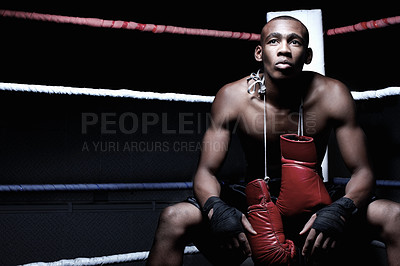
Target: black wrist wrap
x: 331, y: 219
x: 225, y: 219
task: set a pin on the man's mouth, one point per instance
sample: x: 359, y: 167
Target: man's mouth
x: 284, y: 64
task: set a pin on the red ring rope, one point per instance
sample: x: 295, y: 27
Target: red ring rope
x: 102, y: 23
x: 118, y: 24
x: 372, y: 24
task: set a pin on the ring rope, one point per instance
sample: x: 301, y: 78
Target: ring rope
x: 118, y: 24
x: 135, y: 256
x: 106, y: 92
x: 379, y: 182
x: 373, y: 94
x: 144, y: 95
x: 130, y: 25
x: 372, y: 24
x: 95, y: 187
x: 136, y: 186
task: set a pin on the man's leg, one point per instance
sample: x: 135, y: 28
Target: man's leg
x: 385, y: 215
x: 181, y: 224
x: 172, y: 234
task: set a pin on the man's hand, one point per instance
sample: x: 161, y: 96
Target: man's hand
x: 229, y: 224
x: 315, y: 240
x: 240, y: 241
x: 327, y: 225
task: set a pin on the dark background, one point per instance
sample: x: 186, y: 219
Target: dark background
x: 41, y: 135
x: 64, y: 54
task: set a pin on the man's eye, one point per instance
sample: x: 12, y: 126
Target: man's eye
x: 273, y: 41
x: 296, y: 42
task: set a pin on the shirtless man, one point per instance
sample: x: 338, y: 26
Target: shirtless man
x: 328, y: 106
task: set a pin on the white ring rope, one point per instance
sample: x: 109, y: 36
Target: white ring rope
x: 136, y: 256
x: 106, y: 92
x: 366, y: 95
x: 123, y: 93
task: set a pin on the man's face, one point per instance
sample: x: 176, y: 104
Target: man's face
x: 283, y: 49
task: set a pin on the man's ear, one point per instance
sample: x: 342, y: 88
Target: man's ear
x: 309, y: 56
x: 258, y: 53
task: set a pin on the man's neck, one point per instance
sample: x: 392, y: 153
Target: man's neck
x: 285, y: 93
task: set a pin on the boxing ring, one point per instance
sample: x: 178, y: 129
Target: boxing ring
x: 195, y: 107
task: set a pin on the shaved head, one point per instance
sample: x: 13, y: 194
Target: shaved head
x: 305, y: 30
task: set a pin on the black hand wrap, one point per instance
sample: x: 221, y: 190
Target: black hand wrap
x: 225, y: 220
x: 331, y: 219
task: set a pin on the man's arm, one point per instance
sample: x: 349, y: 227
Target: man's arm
x: 226, y: 221
x: 353, y: 148
x: 352, y: 145
x: 205, y: 182
x: 214, y: 148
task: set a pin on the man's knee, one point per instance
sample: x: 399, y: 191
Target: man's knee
x: 171, y: 215
x: 386, y: 215
x: 179, y: 217
x: 392, y: 227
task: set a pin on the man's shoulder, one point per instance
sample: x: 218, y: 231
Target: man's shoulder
x: 332, y: 96
x: 233, y: 91
x: 230, y: 99
x: 327, y: 87
x: 235, y: 86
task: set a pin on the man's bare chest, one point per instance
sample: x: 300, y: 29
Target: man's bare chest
x: 277, y: 122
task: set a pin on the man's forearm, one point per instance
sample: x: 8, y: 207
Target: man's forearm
x: 360, y: 186
x: 205, y: 185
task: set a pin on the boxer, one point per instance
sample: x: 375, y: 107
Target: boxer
x: 215, y: 218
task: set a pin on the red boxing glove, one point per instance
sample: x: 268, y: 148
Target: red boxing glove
x: 268, y: 246
x: 302, y: 189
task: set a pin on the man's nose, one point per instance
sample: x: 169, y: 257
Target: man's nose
x: 284, y: 49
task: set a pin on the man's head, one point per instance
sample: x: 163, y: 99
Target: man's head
x: 283, y: 47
